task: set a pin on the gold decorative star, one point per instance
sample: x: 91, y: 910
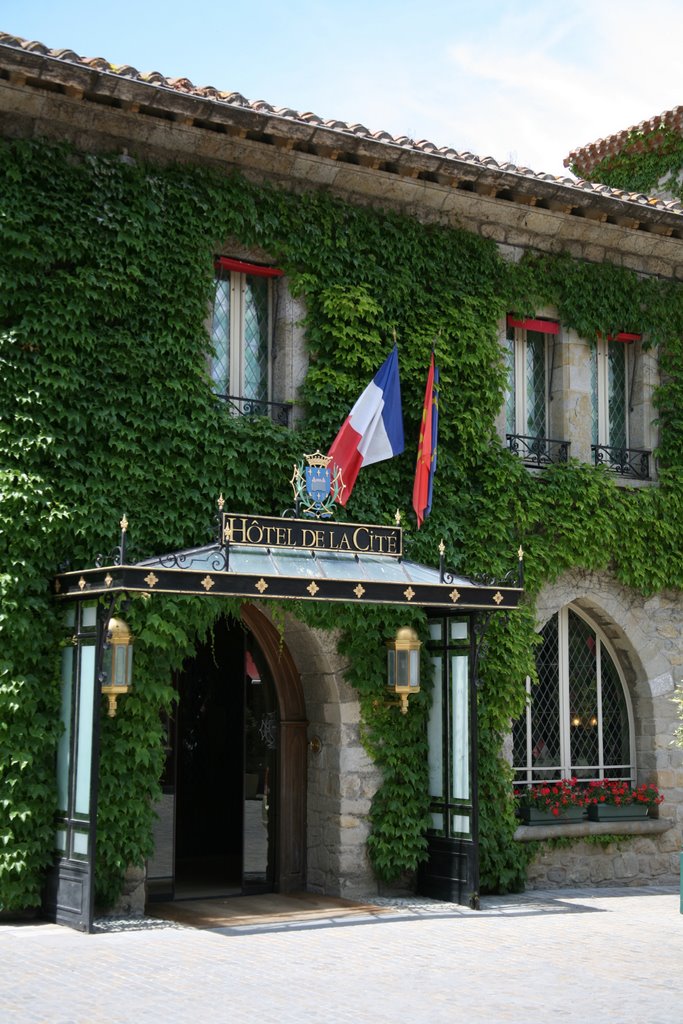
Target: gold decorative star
x: 359, y: 591
x: 454, y: 595
x: 207, y: 583
x: 409, y: 593
x: 81, y: 583
x: 498, y: 597
x: 108, y: 579
x: 312, y: 588
x: 151, y: 580
x: 261, y: 585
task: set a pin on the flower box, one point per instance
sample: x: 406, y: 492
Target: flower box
x: 616, y: 800
x: 613, y: 812
x: 551, y: 803
x: 536, y: 816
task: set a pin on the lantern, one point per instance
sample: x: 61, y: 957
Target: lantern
x: 403, y: 665
x: 117, y: 665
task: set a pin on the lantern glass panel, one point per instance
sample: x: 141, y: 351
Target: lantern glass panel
x: 402, y: 668
x: 391, y: 668
x: 119, y: 665
x: 415, y: 668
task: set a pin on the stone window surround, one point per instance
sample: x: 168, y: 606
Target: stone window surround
x: 646, y: 642
x: 563, y: 685
x: 569, y: 414
x: 288, y: 352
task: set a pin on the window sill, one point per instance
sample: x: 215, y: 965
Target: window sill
x: 646, y: 827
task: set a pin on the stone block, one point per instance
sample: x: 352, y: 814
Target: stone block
x: 654, y: 866
x: 625, y: 866
x: 602, y: 870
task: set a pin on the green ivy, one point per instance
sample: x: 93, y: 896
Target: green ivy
x: 643, y: 161
x: 106, y: 273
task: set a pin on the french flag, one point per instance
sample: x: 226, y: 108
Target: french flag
x: 373, y: 430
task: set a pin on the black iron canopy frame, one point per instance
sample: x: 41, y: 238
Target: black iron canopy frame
x: 268, y: 572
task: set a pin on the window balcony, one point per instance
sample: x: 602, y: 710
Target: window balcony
x: 630, y: 462
x: 278, y: 412
x: 538, y: 452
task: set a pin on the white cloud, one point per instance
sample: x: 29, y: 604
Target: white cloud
x: 538, y: 86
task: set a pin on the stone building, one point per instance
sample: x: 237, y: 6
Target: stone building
x: 569, y: 397
x: 644, y: 158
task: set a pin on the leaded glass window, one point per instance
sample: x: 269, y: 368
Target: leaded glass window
x: 241, y: 338
x: 579, y: 720
x: 609, y: 393
x: 526, y: 356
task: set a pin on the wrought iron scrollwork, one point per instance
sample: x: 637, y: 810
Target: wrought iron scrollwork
x: 538, y: 451
x: 117, y: 555
x: 633, y: 462
x: 181, y: 560
x: 512, y: 578
x: 221, y: 560
x: 278, y: 412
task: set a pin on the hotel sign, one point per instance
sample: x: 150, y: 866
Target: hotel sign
x: 312, y: 535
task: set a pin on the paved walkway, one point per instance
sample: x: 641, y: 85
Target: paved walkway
x: 608, y: 956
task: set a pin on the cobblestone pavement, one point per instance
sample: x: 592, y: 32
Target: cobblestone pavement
x: 588, y: 956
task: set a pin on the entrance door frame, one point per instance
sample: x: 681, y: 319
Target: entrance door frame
x: 290, y: 865
x: 200, y: 571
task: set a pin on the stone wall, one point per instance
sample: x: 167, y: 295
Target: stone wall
x: 629, y: 860
x: 342, y: 779
x: 645, y: 635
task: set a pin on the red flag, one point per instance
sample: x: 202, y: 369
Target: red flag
x: 426, y: 450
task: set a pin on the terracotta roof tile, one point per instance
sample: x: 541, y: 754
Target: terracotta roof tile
x: 586, y: 158
x: 423, y: 147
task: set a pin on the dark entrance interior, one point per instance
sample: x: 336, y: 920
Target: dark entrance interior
x: 226, y: 733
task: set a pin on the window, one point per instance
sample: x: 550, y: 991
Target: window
x: 241, y: 333
x: 530, y: 351
x: 449, y: 729
x: 614, y: 363
x: 579, y: 720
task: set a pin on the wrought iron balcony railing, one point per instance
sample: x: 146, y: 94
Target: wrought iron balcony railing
x: 538, y: 451
x: 278, y: 412
x: 633, y: 462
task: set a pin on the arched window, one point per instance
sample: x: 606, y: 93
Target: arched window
x: 579, y: 720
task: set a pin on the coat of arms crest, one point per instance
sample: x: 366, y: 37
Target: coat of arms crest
x: 317, y: 486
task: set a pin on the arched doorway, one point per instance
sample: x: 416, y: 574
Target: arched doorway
x: 232, y: 818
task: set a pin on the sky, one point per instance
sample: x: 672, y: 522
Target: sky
x: 524, y: 81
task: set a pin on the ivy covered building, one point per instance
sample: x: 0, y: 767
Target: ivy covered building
x: 194, y: 290
x: 646, y: 158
